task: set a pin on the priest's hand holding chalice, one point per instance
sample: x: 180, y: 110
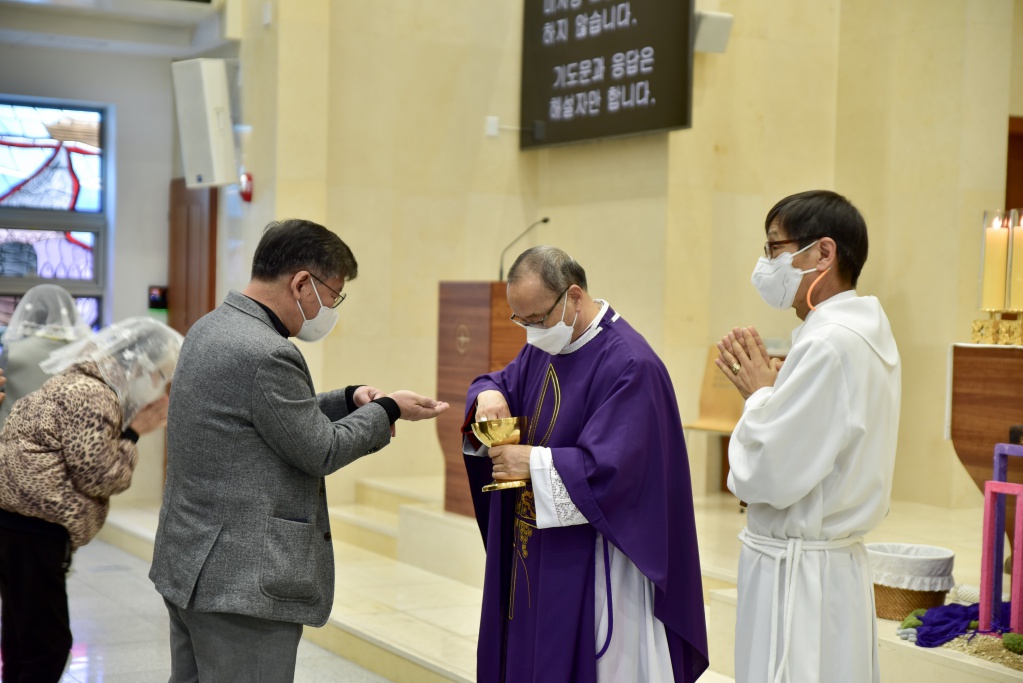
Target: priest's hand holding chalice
x: 501, y: 433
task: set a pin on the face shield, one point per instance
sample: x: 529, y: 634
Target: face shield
x: 136, y: 358
x: 46, y: 311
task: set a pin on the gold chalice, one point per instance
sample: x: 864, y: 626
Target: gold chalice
x: 507, y: 430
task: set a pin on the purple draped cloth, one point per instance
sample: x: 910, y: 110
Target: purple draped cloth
x: 946, y: 622
x: 609, y: 415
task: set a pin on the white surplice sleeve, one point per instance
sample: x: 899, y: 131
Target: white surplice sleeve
x: 790, y: 435
x: 554, y: 507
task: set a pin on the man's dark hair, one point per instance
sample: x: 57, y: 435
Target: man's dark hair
x: 808, y: 216
x: 557, y: 270
x: 293, y: 245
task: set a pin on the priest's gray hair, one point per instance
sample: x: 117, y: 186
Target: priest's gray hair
x: 557, y: 270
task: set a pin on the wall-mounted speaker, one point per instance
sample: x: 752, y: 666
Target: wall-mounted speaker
x: 203, y: 105
x: 712, y: 31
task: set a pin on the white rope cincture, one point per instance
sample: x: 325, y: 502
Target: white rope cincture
x: 790, y: 549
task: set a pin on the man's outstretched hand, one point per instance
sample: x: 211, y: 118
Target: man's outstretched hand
x: 416, y: 407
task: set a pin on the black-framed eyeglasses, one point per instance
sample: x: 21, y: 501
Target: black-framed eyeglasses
x: 542, y: 322
x: 338, y: 296
x: 770, y: 246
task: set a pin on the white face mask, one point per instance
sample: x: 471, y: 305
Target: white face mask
x: 319, y: 326
x: 552, y: 339
x: 777, y: 280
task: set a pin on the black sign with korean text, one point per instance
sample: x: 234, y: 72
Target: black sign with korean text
x: 604, y: 68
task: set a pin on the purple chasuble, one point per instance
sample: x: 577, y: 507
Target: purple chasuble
x: 608, y: 413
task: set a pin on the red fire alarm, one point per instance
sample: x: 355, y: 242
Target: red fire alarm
x: 245, y: 186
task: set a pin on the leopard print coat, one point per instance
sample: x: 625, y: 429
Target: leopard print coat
x: 62, y: 455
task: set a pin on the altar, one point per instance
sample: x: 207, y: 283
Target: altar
x: 985, y: 399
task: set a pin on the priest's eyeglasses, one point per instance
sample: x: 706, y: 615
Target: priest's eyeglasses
x: 338, y: 296
x: 542, y: 322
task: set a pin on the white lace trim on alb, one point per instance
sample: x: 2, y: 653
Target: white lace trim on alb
x: 568, y: 514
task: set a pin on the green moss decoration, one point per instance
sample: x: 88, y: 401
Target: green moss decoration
x: 911, y: 622
x: 913, y: 619
x: 974, y: 625
x: 1013, y: 642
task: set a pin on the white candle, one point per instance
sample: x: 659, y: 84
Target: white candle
x: 996, y: 253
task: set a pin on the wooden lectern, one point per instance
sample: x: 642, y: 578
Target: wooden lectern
x: 986, y: 399
x: 474, y: 336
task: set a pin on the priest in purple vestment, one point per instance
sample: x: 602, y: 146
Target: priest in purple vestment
x: 592, y: 569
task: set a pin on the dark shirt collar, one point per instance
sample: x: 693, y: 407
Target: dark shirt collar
x: 278, y: 325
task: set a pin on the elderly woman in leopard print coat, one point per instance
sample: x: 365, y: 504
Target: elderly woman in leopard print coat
x: 64, y: 450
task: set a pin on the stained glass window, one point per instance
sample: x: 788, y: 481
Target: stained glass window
x: 46, y: 254
x: 53, y: 208
x: 51, y: 158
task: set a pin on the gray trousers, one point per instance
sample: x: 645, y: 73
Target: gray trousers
x: 211, y: 647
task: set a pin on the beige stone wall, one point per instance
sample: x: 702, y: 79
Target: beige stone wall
x: 763, y: 127
x: 923, y: 114
x: 1016, y: 90
x: 369, y: 116
x: 416, y: 189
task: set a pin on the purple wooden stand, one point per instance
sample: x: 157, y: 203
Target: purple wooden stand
x: 1003, y: 451
x: 991, y: 555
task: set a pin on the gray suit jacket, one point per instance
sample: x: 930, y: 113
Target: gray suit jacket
x: 244, y: 526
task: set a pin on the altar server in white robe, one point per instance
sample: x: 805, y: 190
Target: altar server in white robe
x: 814, y: 452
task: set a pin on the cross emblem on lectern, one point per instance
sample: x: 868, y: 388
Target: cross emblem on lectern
x: 462, y: 339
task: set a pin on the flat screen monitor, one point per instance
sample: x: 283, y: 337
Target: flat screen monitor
x: 604, y: 68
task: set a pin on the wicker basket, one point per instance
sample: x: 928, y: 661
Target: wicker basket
x: 909, y: 577
x: 897, y: 603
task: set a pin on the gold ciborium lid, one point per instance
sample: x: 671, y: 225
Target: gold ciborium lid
x: 500, y: 432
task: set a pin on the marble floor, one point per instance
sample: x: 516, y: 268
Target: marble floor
x: 119, y: 624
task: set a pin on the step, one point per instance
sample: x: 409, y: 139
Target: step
x: 905, y: 661
x: 367, y: 527
x: 406, y: 623
x: 390, y: 493
x: 133, y: 529
x: 419, y: 623
x: 899, y: 659
x: 441, y: 542
x: 721, y: 629
x: 401, y: 622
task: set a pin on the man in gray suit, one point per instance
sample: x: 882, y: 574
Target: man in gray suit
x: 243, y: 554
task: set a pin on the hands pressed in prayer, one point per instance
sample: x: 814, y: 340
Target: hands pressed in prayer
x: 491, y: 405
x: 510, y: 462
x: 744, y: 360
